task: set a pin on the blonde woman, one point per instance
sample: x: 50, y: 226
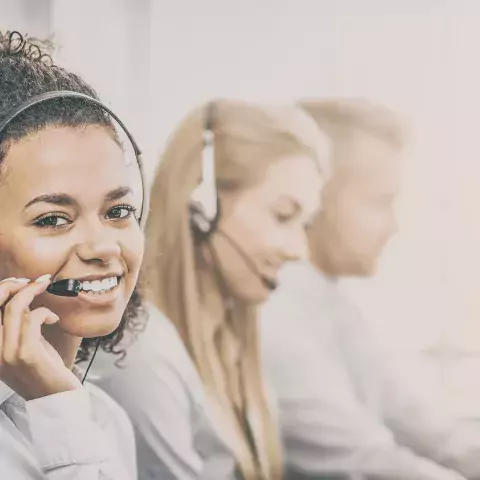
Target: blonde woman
x: 192, y: 384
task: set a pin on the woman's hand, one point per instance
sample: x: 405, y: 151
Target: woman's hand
x: 29, y: 365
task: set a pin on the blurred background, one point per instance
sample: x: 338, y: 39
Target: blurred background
x: 152, y: 61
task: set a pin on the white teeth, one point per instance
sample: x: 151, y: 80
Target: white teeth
x: 100, y: 286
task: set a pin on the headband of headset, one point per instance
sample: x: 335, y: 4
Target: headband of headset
x: 45, y: 97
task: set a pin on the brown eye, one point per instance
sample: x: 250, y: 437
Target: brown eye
x: 52, y: 221
x: 121, y: 212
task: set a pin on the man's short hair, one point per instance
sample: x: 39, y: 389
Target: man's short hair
x: 339, y: 116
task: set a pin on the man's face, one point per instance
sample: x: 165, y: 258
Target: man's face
x: 357, y: 216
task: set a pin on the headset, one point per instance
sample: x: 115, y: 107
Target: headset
x: 71, y: 287
x: 204, y: 203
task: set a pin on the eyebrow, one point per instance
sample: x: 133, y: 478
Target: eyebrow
x: 60, y: 199
x: 65, y: 200
x: 118, y: 193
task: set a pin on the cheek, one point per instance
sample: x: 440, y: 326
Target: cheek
x: 133, y: 245
x: 253, y: 229
x: 24, y: 255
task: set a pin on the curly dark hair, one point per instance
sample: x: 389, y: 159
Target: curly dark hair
x: 27, y: 70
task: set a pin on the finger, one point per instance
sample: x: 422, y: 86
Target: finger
x: 14, y: 313
x: 1, y: 344
x: 31, y: 333
x: 10, y: 286
x: 21, y: 301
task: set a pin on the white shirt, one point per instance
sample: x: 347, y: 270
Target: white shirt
x: 344, y: 408
x: 76, y: 435
x: 160, y: 389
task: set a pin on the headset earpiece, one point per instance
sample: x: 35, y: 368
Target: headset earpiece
x: 203, y: 202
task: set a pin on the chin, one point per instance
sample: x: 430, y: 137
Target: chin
x: 366, y: 270
x: 254, y: 297
x: 91, y: 325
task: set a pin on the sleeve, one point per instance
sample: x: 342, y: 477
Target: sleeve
x: 423, y: 418
x: 68, y: 444
x: 158, y: 402
x: 325, y: 427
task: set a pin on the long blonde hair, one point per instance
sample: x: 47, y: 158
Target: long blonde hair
x: 248, y: 138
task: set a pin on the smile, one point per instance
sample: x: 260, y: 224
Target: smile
x: 100, y: 287
x: 102, y: 293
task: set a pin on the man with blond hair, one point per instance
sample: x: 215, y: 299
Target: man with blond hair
x: 345, y: 411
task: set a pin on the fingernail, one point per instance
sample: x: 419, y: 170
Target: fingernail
x: 43, y: 278
x: 13, y: 279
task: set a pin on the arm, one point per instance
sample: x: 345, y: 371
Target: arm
x: 326, y: 428
x: 418, y: 414
x: 423, y: 419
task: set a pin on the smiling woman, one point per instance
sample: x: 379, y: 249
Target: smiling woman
x: 70, y: 201
x: 237, y: 185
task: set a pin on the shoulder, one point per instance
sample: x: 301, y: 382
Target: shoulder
x: 296, y: 323
x: 157, y: 366
x: 158, y: 345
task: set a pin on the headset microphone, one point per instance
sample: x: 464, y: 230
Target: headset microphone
x: 267, y: 282
x: 270, y: 284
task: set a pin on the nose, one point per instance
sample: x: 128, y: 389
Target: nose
x: 295, y: 246
x: 98, y: 245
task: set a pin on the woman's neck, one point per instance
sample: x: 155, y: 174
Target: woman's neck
x: 65, y: 344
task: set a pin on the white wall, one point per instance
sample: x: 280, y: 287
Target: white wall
x: 25, y: 15
x: 106, y: 41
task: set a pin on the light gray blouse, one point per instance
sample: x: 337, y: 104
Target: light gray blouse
x: 162, y: 392
x: 76, y: 435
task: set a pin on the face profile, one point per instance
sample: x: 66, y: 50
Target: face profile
x: 268, y: 220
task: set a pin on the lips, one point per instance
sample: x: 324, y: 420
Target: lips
x: 91, y: 278
x: 100, y: 290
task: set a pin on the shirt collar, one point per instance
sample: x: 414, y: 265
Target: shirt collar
x: 5, y: 392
